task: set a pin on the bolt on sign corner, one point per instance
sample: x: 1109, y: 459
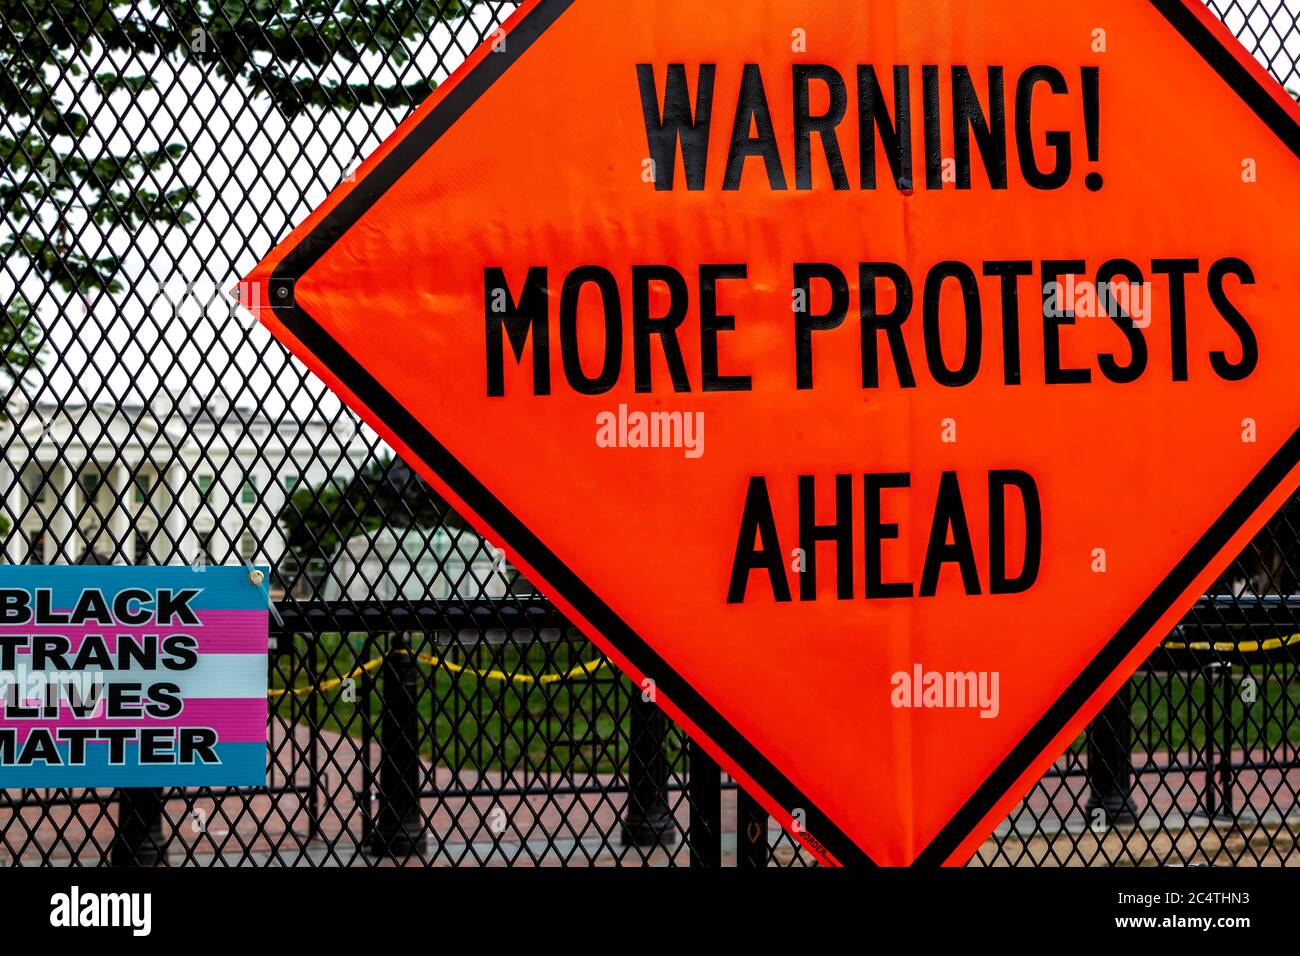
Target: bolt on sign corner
x: 890, y: 377
x: 132, y: 677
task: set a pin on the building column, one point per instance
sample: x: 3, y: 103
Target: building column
x: 52, y: 516
x: 174, y: 550
x: 121, y: 527
x: 77, y: 542
x: 15, y: 497
x: 63, y: 541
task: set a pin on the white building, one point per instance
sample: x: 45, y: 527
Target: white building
x: 168, y: 485
x: 420, y: 564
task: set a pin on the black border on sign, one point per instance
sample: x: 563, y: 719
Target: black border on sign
x: 556, y: 573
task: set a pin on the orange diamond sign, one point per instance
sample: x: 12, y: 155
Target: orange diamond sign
x: 876, y: 383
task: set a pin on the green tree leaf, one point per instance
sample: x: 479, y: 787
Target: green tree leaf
x: 49, y: 162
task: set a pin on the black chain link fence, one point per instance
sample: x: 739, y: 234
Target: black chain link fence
x: 429, y: 707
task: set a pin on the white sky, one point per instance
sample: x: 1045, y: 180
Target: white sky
x: 254, y: 185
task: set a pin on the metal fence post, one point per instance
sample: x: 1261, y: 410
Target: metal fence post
x: 647, y: 819
x: 365, y: 689
x: 138, y: 840
x: 1110, y: 761
x: 317, y: 778
x: 705, y: 792
x: 398, y: 829
x: 1217, y: 796
x: 1227, y: 776
x: 751, y: 832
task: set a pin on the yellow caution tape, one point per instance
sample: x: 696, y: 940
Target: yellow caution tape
x: 1244, y: 647
x: 325, y: 685
x: 579, y: 670
x: 588, y: 668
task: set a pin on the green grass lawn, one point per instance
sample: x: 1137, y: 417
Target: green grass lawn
x: 580, y: 725
x: 1169, y: 710
x: 480, y: 723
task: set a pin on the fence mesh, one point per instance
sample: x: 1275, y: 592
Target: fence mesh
x: 153, y: 153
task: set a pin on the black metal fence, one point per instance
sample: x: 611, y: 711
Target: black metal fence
x: 428, y: 706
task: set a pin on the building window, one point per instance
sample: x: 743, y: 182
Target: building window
x: 247, y: 545
x: 35, y: 482
x: 205, y: 487
x: 290, y: 482
x: 141, y: 489
x: 521, y: 586
x: 203, y: 557
x: 249, y: 492
x: 90, y: 482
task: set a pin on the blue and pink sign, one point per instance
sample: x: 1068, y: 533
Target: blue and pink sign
x: 132, y: 676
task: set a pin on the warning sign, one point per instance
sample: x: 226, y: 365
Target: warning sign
x: 874, y: 383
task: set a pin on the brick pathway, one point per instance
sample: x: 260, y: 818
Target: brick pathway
x: 581, y: 829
